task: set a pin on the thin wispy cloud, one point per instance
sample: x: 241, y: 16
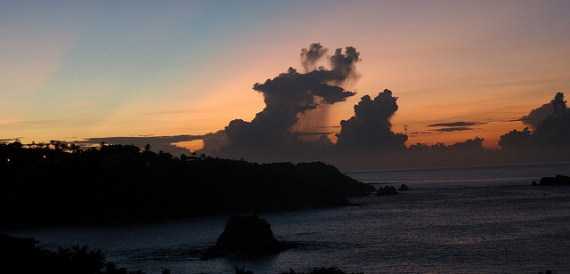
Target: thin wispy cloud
x: 456, y: 124
x: 157, y: 143
x: 50, y: 123
x: 452, y: 129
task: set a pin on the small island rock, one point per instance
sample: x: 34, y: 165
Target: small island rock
x: 387, y: 190
x: 403, y: 187
x: 558, y: 180
x: 249, y: 234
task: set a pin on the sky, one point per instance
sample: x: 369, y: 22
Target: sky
x: 77, y: 70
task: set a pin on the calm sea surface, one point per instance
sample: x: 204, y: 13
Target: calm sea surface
x: 461, y: 220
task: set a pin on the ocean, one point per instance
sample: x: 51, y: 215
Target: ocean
x: 453, y: 220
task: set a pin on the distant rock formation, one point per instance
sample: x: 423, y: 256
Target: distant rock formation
x: 387, y: 190
x: 551, y: 181
x: 246, y: 234
x: 403, y: 187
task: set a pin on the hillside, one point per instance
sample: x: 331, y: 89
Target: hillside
x: 124, y: 184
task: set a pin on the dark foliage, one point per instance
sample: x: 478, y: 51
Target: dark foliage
x: 122, y: 183
x: 21, y: 255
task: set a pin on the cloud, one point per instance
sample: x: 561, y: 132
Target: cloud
x: 554, y: 129
x: 470, y: 144
x: 52, y: 123
x: 328, y: 126
x: 313, y: 133
x: 515, y: 139
x: 551, y: 123
x: 456, y: 124
x: 370, y: 127
x: 287, y: 97
x: 537, y: 115
x: 365, y: 140
x: 310, y: 56
x: 213, y: 142
x: 9, y: 140
x: 419, y: 133
x: 452, y: 129
x: 157, y: 143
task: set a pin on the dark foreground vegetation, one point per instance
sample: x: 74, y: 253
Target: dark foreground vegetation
x: 59, y: 184
x: 22, y: 255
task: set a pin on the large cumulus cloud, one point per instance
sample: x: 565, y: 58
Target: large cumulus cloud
x: 537, y: 115
x: 551, y: 124
x: 370, y: 127
x: 554, y: 130
x: 287, y: 97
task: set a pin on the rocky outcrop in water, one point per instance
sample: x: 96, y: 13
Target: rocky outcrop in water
x: 553, y: 181
x: 403, y: 187
x: 246, y: 234
x: 387, y: 190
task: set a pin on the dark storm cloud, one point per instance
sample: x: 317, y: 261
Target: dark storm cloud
x: 554, y: 130
x: 516, y: 139
x: 366, y: 140
x: 456, y: 124
x: 537, y: 115
x: 551, y: 123
x: 370, y: 127
x: 157, y: 143
x: 214, y: 141
x: 343, y: 64
x: 329, y: 127
x: 310, y: 56
x: 470, y: 144
x: 144, y: 138
x: 419, y: 133
x: 286, y: 97
x: 314, y: 133
x: 452, y: 129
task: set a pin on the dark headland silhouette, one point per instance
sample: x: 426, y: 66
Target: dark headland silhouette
x: 60, y: 184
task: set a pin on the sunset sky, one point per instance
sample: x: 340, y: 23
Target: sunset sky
x: 72, y: 70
